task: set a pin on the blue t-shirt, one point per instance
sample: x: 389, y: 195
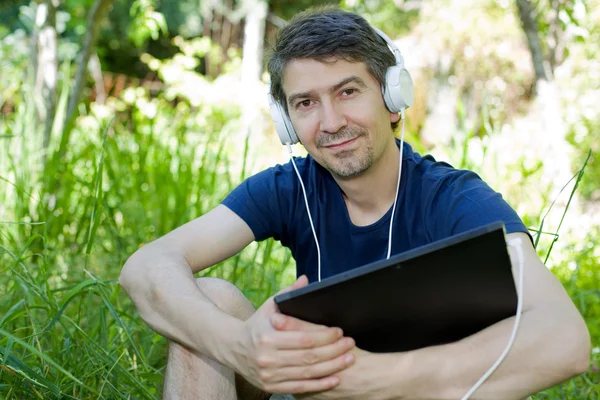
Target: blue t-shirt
x: 435, y: 201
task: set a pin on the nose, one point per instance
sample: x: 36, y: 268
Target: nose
x: 332, y: 117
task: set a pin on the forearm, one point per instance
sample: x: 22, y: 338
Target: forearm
x: 165, y: 293
x: 545, y: 352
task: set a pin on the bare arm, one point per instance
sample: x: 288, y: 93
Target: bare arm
x: 551, y: 346
x: 159, y: 279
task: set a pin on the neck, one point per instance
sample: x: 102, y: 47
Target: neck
x: 370, y: 195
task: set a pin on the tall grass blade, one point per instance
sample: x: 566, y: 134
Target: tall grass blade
x: 17, y: 373
x: 102, y: 353
x: 46, y: 358
x: 539, y: 231
x: 94, y: 222
x: 21, y: 223
x: 11, y: 311
x: 18, y: 187
x: 7, y: 351
x: 76, y: 291
x: 113, y: 312
x: 579, y: 177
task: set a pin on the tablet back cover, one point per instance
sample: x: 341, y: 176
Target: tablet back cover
x: 438, y: 296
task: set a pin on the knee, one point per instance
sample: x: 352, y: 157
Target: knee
x: 226, y: 296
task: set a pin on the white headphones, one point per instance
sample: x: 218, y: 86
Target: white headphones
x: 398, y: 94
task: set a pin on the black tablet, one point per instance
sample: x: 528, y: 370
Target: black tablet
x: 435, y: 294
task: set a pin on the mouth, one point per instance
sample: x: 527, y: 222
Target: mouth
x: 341, y: 145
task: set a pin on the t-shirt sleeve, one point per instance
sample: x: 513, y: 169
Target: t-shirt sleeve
x: 461, y: 200
x: 257, y: 201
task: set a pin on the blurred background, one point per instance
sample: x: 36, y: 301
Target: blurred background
x: 123, y: 119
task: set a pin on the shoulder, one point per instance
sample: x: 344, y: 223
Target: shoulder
x: 455, y: 200
x: 281, y: 180
x: 286, y: 172
x: 430, y: 174
x: 437, y: 176
x: 267, y: 200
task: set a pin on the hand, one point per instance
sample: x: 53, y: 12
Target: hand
x: 302, y: 358
x: 360, y: 381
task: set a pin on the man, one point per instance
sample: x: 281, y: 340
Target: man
x: 328, y: 70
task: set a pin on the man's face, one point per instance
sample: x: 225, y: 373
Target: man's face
x: 338, y: 112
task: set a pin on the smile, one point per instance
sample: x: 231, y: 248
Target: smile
x: 341, y: 145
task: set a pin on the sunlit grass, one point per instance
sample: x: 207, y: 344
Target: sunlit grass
x: 66, y: 228
x: 129, y: 173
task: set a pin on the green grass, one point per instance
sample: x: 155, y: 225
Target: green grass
x: 122, y: 179
x: 66, y: 328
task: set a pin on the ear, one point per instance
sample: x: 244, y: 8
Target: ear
x: 394, y: 117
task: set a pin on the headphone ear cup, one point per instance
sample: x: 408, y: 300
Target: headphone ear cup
x: 289, y: 127
x: 399, y: 90
x: 283, y: 125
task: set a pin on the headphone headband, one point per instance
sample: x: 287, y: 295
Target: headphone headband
x: 395, y: 50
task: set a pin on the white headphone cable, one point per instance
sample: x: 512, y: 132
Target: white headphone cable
x: 308, y: 211
x: 389, y: 250
x: 515, y: 326
x: 312, y: 226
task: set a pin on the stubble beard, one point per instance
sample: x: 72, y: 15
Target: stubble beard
x: 347, y: 163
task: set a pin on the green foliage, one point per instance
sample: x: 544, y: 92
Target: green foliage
x: 134, y: 169
x: 581, y: 109
x: 580, y: 277
x: 286, y: 9
x: 145, y: 22
x: 13, y: 62
x: 9, y: 15
x: 557, y: 17
x: 590, y: 140
x: 385, y: 15
x: 154, y: 158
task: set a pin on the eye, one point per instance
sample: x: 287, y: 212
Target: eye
x: 348, y: 92
x: 303, y: 104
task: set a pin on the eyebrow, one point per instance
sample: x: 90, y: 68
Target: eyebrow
x: 334, y: 88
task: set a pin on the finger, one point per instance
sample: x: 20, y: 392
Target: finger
x: 320, y: 370
x: 296, y: 340
x: 286, y: 323
x: 321, y: 354
x: 304, y: 386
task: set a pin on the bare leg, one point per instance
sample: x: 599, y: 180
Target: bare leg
x: 193, y: 376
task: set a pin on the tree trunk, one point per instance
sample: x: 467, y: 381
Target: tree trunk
x: 96, y: 72
x: 546, y: 106
x: 529, y: 24
x: 45, y: 66
x: 252, y: 53
x: 96, y: 13
x: 207, y: 17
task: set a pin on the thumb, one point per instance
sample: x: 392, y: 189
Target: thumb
x: 300, y: 282
x: 269, y: 307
